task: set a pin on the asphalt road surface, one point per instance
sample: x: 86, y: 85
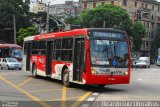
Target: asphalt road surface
x: 23, y: 89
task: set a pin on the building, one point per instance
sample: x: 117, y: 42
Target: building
x: 39, y: 7
x: 69, y: 9
x: 62, y: 11
x: 146, y: 11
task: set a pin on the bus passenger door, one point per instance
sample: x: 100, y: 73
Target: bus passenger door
x: 78, y: 61
x: 28, y: 54
x: 49, y: 58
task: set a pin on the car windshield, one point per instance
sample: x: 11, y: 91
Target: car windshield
x: 108, y: 52
x: 11, y: 60
x: 142, y: 61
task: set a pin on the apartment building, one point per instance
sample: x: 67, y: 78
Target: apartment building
x: 146, y: 11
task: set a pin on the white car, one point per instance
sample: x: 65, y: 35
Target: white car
x: 142, y: 63
x: 10, y: 63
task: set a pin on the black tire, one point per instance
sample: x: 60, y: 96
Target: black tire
x: 20, y: 68
x: 34, y: 71
x: 65, y: 78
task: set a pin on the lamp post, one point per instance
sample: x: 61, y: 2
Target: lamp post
x: 14, y: 25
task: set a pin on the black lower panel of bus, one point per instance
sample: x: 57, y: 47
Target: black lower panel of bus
x: 78, y: 66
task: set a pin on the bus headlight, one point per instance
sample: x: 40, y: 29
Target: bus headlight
x: 94, y: 72
x: 126, y: 73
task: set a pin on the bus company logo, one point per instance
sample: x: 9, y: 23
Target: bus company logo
x: 34, y: 58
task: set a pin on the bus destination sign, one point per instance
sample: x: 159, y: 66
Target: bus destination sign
x: 108, y: 35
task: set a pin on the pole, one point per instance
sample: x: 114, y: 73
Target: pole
x: 47, y: 21
x: 14, y: 24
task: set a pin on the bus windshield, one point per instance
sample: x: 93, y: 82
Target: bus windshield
x: 17, y: 53
x: 109, y: 52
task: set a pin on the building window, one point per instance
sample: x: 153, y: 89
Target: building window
x: 152, y: 34
x: 85, y: 6
x: 147, y: 44
x: 112, y: 2
x: 158, y: 18
x: 143, y: 44
x: 146, y: 6
x: 124, y: 2
x: 158, y: 8
x: 152, y: 26
x: 152, y: 17
x: 148, y: 25
x: 152, y: 7
x: 149, y: 34
x: 94, y: 5
x: 135, y: 4
x: 142, y: 5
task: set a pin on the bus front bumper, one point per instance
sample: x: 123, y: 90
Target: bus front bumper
x: 107, y: 80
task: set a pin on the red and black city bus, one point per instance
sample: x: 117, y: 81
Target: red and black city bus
x: 11, y: 50
x: 98, y: 56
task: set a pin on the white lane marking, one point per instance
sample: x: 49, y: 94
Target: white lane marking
x: 95, y: 94
x: 90, y: 99
x: 85, y: 105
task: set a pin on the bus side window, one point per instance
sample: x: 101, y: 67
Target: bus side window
x: 35, y: 47
x: 57, y: 50
x: 42, y: 48
x: 66, y: 52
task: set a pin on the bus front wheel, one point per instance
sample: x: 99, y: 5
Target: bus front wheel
x: 65, y: 78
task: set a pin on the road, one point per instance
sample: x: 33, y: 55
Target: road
x: 45, y: 92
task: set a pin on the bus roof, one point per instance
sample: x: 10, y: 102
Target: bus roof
x: 69, y: 33
x: 7, y: 45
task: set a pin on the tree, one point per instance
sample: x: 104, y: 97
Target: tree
x: 72, y: 20
x: 110, y: 16
x: 107, y: 15
x: 24, y: 32
x: 137, y: 33
x: 8, y: 8
x: 157, y: 38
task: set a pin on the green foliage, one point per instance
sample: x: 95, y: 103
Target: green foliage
x: 8, y: 8
x: 24, y: 32
x: 114, y: 17
x: 157, y: 38
x: 137, y: 34
x: 72, y: 20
